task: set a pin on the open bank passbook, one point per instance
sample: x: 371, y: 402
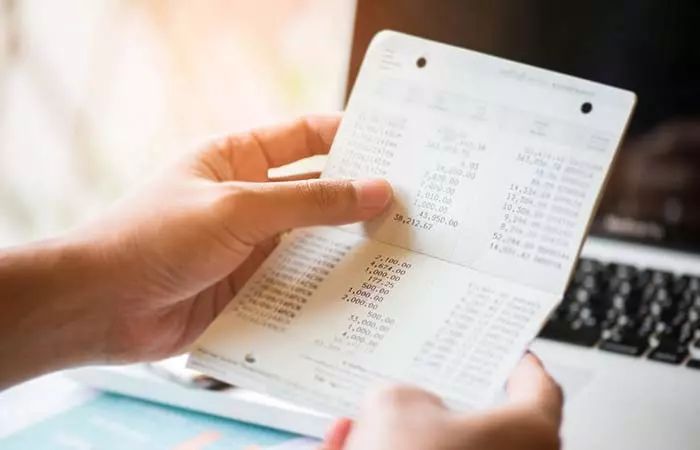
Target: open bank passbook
x: 496, y: 167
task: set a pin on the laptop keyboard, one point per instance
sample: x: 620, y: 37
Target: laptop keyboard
x: 637, y: 312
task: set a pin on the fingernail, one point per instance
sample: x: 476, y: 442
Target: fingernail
x: 372, y: 194
x: 337, y: 434
x: 533, y: 357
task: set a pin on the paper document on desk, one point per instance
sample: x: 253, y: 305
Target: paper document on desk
x: 496, y: 168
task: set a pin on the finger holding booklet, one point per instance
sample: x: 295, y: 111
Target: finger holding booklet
x: 496, y: 168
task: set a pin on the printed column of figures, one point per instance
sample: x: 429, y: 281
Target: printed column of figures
x: 457, y: 162
x: 366, y: 327
x: 540, y: 215
x: 470, y: 346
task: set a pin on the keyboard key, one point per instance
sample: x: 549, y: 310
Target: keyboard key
x: 656, y: 277
x: 680, y: 285
x: 591, y: 283
x: 694, y: 363
x: 648, y: 292
x: 632, y: 346
x: 694, y: 315
x: 580, y: 295
x: 686, y: 300
x: 662, y: 297
x: 647, y: 327
x: 586, y: 265
x: 686, y: 332
x: 563, y: 332
x: 621, y: 286
x: 623, y: 339
x: 622, y: 271
x: 668, y: 350
x: 693, y: 284
x: 685, y: 284
x: 694, y: 350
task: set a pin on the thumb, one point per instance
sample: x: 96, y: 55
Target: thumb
x: 530, y: 420
x: 275, y: 207
x: 531, y: 385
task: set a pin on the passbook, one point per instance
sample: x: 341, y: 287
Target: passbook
x: 496, y: 166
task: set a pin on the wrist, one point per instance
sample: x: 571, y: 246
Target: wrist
x: 51, y: 314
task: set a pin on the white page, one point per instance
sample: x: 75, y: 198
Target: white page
x: 496, y: 171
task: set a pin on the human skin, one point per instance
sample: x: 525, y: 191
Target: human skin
x: 408, y: 418
x: 143, y: 281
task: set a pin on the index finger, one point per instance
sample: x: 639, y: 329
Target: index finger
x: 307, y: 136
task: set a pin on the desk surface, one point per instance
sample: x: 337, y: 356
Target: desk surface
x: 56, y: 412
x: 33, y: 401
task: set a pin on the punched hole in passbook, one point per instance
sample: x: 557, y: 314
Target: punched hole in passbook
x: 421, y: 62
x: 249, y: 358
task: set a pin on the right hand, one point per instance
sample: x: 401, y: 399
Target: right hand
x: 407, y: 418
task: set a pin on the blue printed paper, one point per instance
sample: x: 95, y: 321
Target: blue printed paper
x: 116, y: 422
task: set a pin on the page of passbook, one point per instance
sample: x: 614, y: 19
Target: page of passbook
x: 496, y: 168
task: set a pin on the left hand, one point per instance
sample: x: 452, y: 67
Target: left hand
x: 181, y: 249
x: 144, y: 281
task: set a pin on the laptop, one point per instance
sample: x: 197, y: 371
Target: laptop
x: 625, y: 341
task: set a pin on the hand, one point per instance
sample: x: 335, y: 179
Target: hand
x: 146, y: 280
x: 408, y: 418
